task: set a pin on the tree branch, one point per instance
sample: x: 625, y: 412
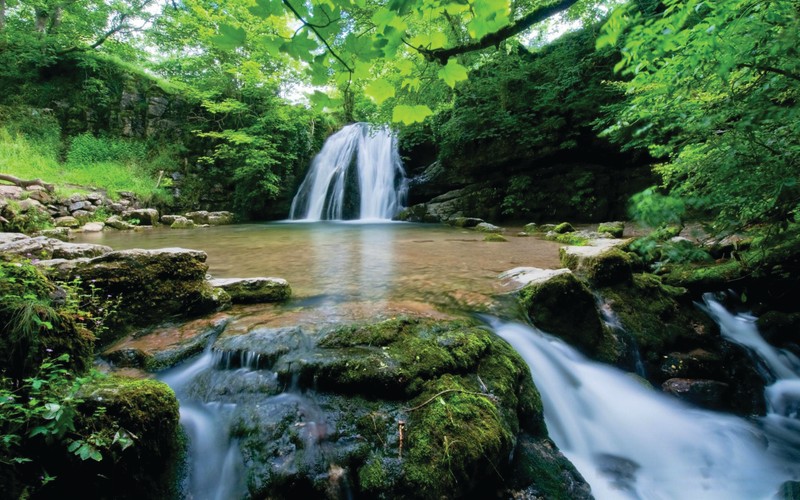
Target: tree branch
x: 772, y: 69
x: 24, y: 184
x: 442, y: 55
x: 321, y: 38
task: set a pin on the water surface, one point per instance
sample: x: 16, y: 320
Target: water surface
x: 355, y: 262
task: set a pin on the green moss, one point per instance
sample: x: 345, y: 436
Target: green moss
x: 494, y: 237
x: 611, y: 266
x: 564, y: 306
x: 615, y: 229
x: 651, y: 313
x: 705, y: 277
x: 573, y: 239
x: 564, y: 227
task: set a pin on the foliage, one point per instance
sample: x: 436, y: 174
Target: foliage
x: 714, y: 90
x: 85, y: 149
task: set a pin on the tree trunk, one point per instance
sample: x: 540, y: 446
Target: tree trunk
x: 23, y: 183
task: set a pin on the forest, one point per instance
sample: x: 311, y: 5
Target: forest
x: 679, y: 117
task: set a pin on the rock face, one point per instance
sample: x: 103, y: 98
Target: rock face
x: 405, y: 408
x: 154, y: 284
x: 254, y: 290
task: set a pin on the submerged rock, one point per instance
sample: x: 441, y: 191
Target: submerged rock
x: 254, y: 290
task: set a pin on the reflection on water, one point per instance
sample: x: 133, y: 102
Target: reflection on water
x: 330, y: 263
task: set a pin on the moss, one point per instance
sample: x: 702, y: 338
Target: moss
x: 564, y: 306
x: 615, y: 229
x: 612, y: 266
x: 564, y: 227
x: 574, y: 239
x: 544, y: 472
x: 494, y: 237
x: 457, y: 442
x: 652, y: 314
x: 705, y: 277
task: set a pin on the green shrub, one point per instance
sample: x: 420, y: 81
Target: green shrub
x: 87, y: 149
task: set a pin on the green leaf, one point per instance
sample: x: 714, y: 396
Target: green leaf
x: 229, y: 38
x: 301, y: 46
x: 379, y: 90
x: 267, y: 8
x: 453, y: 73
x: 410, y: 114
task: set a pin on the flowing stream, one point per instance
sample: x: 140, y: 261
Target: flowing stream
x: 357, y: 175
x: 632, y: 442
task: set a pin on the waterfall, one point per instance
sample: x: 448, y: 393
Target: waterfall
x: 357, y: 175
x: 632, y: 442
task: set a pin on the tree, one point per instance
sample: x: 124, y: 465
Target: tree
x: 714, y: 92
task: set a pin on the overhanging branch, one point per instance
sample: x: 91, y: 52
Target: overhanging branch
x: 492, y: 39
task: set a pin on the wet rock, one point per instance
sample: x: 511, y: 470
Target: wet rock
x: 167, y: 220
x: 614, y: 229
x: 165, y: 346
x: 538, y: 465
x: 563, y: 306
x: 698, y: 363
x: 60, y: 233
x: 405, y: 408
x: 254, y: 290
x: 780, y: 328
x: 706, y: 393
x: 67, y: 221
x: 524, y: 275
x: 564, y: 227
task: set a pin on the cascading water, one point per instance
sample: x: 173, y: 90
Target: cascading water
x: 631, y: 442
x: 357, y: 175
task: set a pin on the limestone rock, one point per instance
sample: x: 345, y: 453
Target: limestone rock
x: 524, y: 275
x: 198, y: 217
x: 254, y: 290
x: 42, y: 247
x: 167, y: 220
x: 464, y: 221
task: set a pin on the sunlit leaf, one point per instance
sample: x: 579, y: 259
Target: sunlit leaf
x: 452, y: 73
x: 229, y: 37
x: 410, y: 114
x: 379, y: 90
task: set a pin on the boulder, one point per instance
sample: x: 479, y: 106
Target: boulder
x: 116, y: 222
x: 404, y: 408
x: 93, y: 227
x: 182, y: 223
x: 563, y: 306
x: 706, y: 393
x: 464, y: 221
x: 67, y: 221
x: 615, y: 229
x: 602, y: 265
x: 220, y: 218
x: 154, y: 285
x: 564, y: 227
x: 60, y: 233
x: 254, y: 290
x: 493, y: 237
x: 198, y: 217
x: 167, y: 220
x: 145, y: 216
x: 485, y: 227
x: 524, y: 275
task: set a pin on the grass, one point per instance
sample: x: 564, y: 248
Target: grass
x: 25, y: 159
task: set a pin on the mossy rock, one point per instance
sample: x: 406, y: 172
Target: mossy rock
x: 601, y: 266
x: 541, y: 471
x: 615, y: 229
x: 144, y: 412
x: 493, y: 237
x: 564, y: 227
x: 565, y: 307
x: 653, y: 314
x: 705, y: 277
x: 574, y: 239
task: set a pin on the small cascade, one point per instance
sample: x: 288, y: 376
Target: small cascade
x: 357, y: 175
x: 631, y: 442
x: 216, y: 469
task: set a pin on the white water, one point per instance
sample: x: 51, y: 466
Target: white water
x: 216, y: 471
x: 632, y: 442
x: 327, y: 194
